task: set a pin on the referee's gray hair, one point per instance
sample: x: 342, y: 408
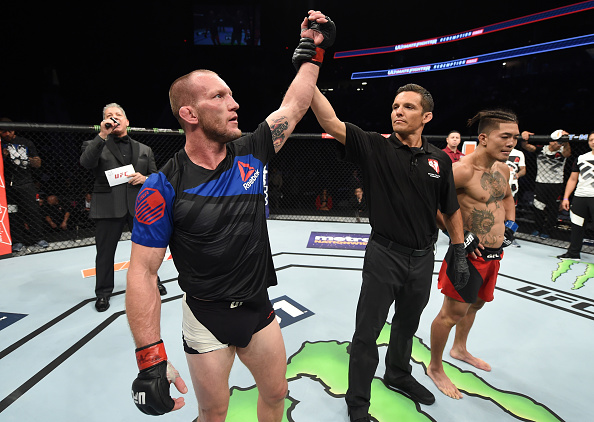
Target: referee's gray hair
x: 113, y: 105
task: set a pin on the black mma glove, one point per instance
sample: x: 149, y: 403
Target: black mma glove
x: 328, y: 30
x: 510, y: 230
x: 150, y: 390
x: 461, y: 271
x: 471, y: 242
x: 307, y: 51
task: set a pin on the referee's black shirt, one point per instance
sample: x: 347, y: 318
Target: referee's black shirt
x: 404, y: 187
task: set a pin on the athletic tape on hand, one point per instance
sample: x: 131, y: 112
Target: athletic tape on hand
x: 557, y: 134
x: 172, y: 373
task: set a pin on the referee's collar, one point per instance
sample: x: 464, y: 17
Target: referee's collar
x: 400, y: 144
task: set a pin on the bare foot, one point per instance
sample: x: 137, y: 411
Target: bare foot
x: 471, y: 360
x: 445, y: 385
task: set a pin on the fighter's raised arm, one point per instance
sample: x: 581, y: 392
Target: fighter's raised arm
x: 317, y: 34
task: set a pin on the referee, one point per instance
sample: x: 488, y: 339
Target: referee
x: 406, y: 181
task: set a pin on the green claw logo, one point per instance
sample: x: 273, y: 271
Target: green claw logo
x: 566, y: 264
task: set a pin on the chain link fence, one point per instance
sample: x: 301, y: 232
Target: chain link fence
x: 306, y: 181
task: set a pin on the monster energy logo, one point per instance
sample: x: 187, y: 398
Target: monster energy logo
x: 565, y: 265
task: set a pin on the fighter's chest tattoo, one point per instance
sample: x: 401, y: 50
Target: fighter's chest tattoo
x: 495, y: 185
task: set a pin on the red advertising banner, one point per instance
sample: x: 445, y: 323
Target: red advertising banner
x: 5, y: 239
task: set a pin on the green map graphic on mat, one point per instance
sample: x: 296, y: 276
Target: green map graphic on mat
x: 326, y: 362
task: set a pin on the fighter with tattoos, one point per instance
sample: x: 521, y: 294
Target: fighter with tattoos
x: 488, y: 212
x: 207, y: 204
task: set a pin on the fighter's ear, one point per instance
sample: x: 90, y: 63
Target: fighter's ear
x: 188, y: 114
x: 482, y: 139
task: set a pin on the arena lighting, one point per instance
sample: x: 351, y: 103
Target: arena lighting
x: 483, y: 58
x: 536, y: 17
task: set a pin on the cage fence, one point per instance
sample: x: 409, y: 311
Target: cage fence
x: 306, y: 180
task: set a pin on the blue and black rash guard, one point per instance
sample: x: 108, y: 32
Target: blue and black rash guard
x: 213, y: 220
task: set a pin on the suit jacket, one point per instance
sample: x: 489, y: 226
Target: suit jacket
x: 99, y: 155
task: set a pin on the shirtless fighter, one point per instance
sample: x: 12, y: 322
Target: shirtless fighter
x: 488, y: 212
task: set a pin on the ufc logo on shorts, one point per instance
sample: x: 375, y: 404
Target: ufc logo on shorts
x: 139, y: 398
x: 236, y: 304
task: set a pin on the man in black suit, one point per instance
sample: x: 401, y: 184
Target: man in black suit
x: 113, y: 206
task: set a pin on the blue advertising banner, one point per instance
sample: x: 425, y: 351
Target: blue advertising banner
x: 328, y: 240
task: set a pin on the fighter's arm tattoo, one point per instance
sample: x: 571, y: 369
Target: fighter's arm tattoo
x: 496, y: 185
x: 278, y: 129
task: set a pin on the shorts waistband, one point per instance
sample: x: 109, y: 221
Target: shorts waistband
x: 493, y: 250
x: 399, y: 248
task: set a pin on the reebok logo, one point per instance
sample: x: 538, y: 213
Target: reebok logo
x: 248, y: 174
x: 245, y: 170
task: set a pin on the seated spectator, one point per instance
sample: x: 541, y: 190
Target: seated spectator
x: 358, y: 203
x: 324, y: 201
x: 56, y: 215
x: 453, y: 140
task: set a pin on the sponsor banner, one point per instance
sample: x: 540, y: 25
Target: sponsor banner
x: 5, y: 239
x: 7, y: 319
x: 329, y: 240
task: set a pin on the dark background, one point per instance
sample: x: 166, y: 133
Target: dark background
x: 62, y: 62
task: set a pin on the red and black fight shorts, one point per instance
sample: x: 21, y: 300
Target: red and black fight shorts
x: 483, y: 276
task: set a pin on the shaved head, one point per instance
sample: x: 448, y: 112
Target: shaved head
x: 180, y: 92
